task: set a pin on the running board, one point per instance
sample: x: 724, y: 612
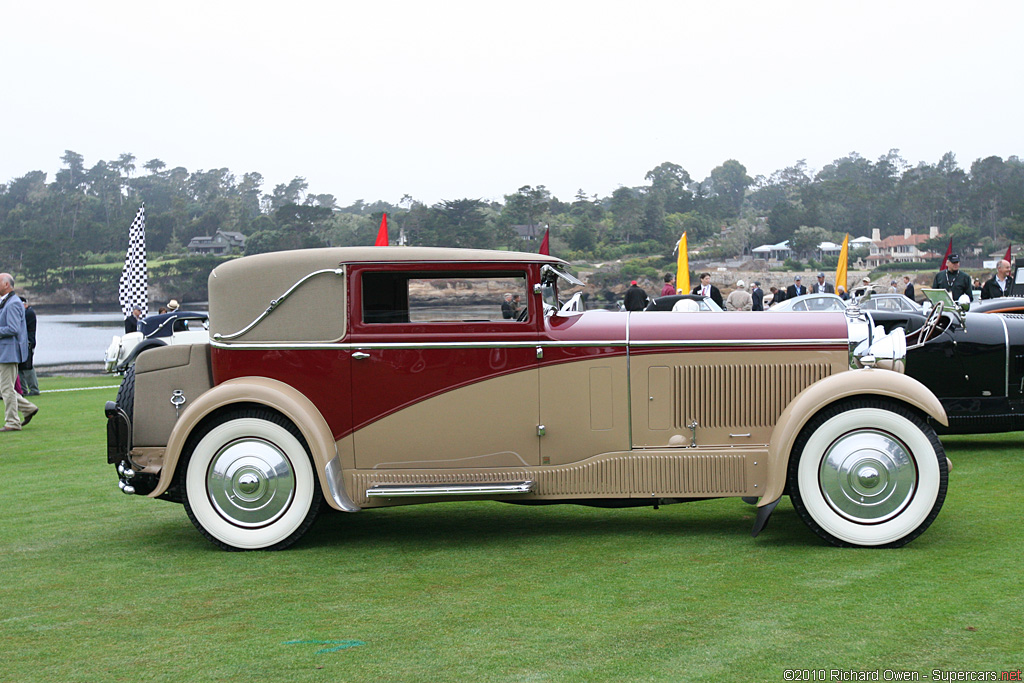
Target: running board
x: 396, y: 490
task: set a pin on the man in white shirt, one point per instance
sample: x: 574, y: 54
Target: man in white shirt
x: 999, y: 284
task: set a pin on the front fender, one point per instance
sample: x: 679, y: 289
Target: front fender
x: 866, y: 382
x: 275, y: 395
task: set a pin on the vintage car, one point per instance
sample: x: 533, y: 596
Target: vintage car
x: 694, y: 303
x: 367, y: 377
x: 811, y: 302
x: 974, y: 363
x: 1003, y: 304
x: 178, y: 327
x: 889, y: 302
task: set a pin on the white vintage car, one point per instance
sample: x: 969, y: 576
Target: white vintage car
x: 179, y: 327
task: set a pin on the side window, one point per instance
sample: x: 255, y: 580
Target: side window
x: 424, y: 297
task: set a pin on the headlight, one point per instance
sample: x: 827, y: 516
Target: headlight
x: 885, y: 351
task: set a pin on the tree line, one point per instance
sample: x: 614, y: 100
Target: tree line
x: 49, y: 228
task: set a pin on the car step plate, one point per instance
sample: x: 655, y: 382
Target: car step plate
x: 486, y: 489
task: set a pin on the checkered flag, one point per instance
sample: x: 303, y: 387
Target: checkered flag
x: 134, y: 284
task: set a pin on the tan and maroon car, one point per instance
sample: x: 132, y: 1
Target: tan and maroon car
x: 378, y: 376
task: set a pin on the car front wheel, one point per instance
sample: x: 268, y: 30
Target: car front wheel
x: 868, y: 473
x: 249, y: 482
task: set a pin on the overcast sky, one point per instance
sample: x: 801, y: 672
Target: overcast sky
x: 445, y: 100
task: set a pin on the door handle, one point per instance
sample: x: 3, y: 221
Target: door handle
x: 359, y: 355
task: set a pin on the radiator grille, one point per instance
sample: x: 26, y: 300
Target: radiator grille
x: 739, y: 395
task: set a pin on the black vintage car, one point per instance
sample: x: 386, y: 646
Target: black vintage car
x: 974, y: 364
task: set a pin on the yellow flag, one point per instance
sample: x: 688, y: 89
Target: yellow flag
x: 683, y: 267
x: 841, y: 267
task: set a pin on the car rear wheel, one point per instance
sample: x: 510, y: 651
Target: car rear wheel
x: 249, y: 482
x: 868, y: 473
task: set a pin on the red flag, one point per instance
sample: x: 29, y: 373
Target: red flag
x: 544, y: 248
x: 949, y: 252
x: 1009, y: 254
x: 382, y: 234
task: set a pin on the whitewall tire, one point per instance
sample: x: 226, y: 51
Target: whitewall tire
x: 868, y: 473
x: 249, y: 482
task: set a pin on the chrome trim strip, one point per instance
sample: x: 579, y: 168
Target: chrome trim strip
x: 336, y: 485
x: 1006, y: 376
x: 772, y: 343
x: 277, y: 302
x: 395, y: 490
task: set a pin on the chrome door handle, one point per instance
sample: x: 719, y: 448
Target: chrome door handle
x: 359, y: 355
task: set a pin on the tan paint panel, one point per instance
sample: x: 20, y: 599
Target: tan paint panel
x: 602, y: 401
x: 659, y: 397
x: 675, y: 473
x: 488, y: 424
x: 735, y: 397
x: 564, y: 401
x: 158, y: 372
x: 313, y: 312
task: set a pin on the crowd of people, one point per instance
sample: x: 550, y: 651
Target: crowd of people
x: 951, y: 279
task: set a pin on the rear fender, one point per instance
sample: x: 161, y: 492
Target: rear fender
x: 868, y: 383
x: 277, y: 396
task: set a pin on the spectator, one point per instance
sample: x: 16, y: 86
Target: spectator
x: 795, y: 289
x: 706, y: 289
x: 757, y: 297
x: 739, y: 299
x: 822, y: 287
x: 13, y: 350
x: 953, y: 281
x: 999, y: 284
x: 669, y: 288
x: 636, y: 298
x: 908, y: 288
x: 26, y: 370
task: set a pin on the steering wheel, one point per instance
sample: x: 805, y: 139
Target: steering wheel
x: 930, y: 323
x: 523, y: 315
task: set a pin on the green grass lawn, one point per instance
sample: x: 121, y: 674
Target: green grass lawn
x: 99, y: 586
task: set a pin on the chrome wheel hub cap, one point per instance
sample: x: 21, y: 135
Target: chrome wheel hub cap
x: 250, y: 482
x: 868, y: 476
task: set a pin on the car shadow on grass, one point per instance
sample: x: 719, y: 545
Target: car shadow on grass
x: 483, y: 524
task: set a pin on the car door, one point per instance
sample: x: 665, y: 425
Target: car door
x: 441, y: 379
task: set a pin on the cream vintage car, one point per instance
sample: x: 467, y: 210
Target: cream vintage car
x: 356, y: 378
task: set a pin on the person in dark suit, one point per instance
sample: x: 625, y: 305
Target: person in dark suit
x: 795, y: 289
x: 822, y: 287
x: 507, y: 312
x: 635, y: 299
x: 953, y: 281
x: 999, y: 284
x: 758, y: 297
x: 908, y: 288
x: 705, y: 288
x: 26, y: 370
x: 131, y: 323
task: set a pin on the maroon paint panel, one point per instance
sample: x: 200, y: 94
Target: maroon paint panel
x: 322, y: 375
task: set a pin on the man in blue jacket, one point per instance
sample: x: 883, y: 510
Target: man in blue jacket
x: 13, y: 350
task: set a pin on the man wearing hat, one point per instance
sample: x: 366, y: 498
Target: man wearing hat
x: 864, y: 289
x: 739, y: 299
x: 795, y: 289
x: 953, y: 281
x: 635, y: 299
x: 822, y: 287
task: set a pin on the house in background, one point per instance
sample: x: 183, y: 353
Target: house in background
x: 772, y: 252
x: 530, y: 233
x: 223, y: 242
x: 900, y: 248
